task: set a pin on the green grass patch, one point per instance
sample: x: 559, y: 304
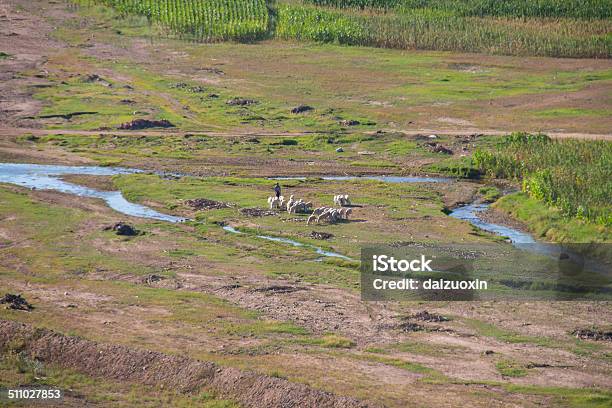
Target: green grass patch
x: 336, y: 341
x: 570, y: 113
x: 572, y: 397
x: 507, y: 336
x: 549, y: 222
x: 489, y: 193
x: 462, y: 168
x: 509, y: 368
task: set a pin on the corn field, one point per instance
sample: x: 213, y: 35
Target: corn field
x: 439, y: 30
x: 571, y: 175
x: 584, y: 9
x: 204, y: 20
x: 424, y: 27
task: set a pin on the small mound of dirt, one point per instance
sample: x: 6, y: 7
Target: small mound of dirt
x: 425, y: 316
x: 232, y: 286
x: 152, y: 278
x: 274, y: 289
x: 121, y: 228
x: 438, y: 148
x: 137, y: 124
x: 321, y: 235
x: 410, y: 327
x: 97, y: 78
x: 241, y: 102
x: 206, y: 204
x: 302, y: 109
x: 257, y: 212
x: 591, y: 334
x: 16, y: 302
x: 212, y: 70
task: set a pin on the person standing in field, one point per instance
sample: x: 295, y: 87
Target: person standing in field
x: 277, y: 190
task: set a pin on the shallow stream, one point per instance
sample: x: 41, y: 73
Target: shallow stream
x: 47, y: 177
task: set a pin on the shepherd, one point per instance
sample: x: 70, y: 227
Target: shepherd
x: 277, y: 190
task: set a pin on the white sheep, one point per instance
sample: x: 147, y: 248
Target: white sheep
x: 316, y: 213
x: 292, y: 206
x: 345, y: 212
x: 289, y: 203
x: 298, y: 206
x: 273, y: 202
x: 329, y: 214
x: 342, y: 200
x: 319, y: 210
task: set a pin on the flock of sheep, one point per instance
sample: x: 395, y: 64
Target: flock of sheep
x: 292, y: 206
x: 332, y: 215
x: 329, y: 214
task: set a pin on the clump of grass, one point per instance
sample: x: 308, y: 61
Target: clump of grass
x: 4, y: 55
x: 490, y: 330
x: 509, y: 368
x: 571, y: 175
x: 277, y: 374
x: 489, y: 193
x: 462, y: 168
x: 335, y: 341
x: 377, y: 350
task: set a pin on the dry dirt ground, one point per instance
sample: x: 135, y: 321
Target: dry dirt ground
x: 199, y: 325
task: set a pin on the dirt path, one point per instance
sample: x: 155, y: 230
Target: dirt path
x: 17, y: 131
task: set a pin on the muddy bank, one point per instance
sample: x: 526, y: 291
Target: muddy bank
x: 494, y: 216
x: 158, y: 369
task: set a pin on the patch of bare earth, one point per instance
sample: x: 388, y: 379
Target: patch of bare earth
x: 158, y: 369
x: 500, y: 217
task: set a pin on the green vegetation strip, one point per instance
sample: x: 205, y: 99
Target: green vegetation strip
x: 588, y: 9
x: 516, y: 27
x: 571, y: 175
